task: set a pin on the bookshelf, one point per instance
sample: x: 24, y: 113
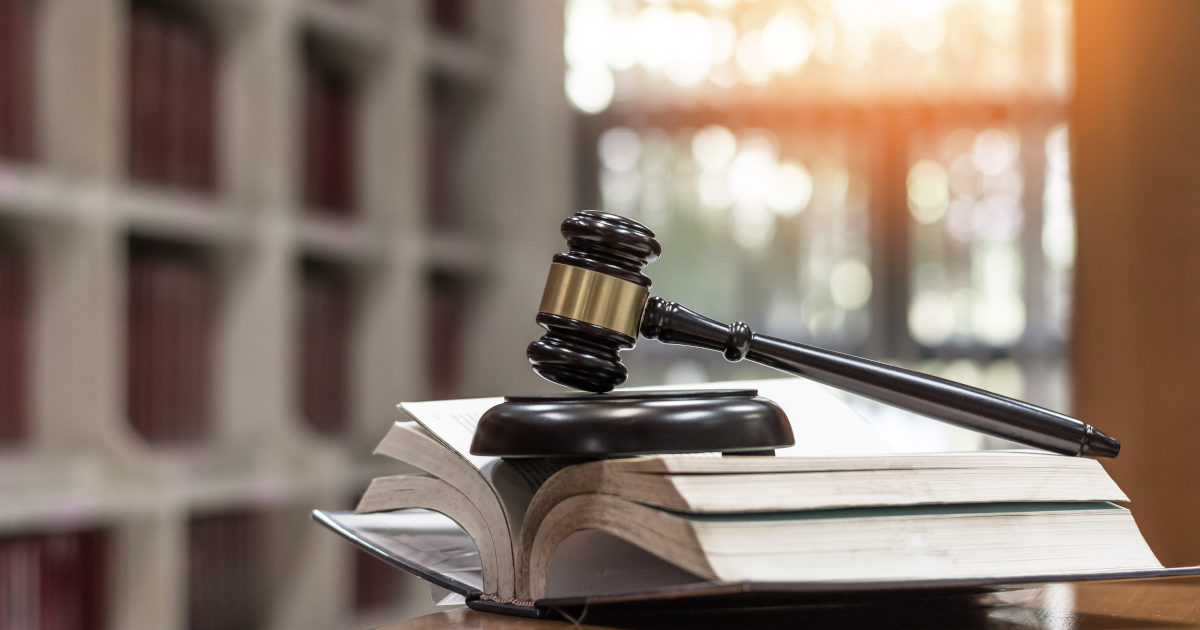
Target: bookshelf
x: 178, y: 461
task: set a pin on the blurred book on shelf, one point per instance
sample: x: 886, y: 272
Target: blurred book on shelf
x: 17, y: 31
x: 452, y: 17
x: 325, y: 346
x: 449, y: 299
x: 170, y: 328
x: 444, y: 145
x: 226, y: 572
x: 172, y: 97
x: 54, y: 581
x: 14, y: 343
x: 330, y: 122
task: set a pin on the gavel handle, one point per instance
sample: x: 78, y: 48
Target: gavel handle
x: 929, y: 396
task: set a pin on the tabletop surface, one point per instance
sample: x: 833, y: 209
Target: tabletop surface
x: 1169, y: 604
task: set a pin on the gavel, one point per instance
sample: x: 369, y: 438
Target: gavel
x: 597, y: 301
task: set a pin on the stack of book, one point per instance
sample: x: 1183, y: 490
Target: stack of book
x: 836, y: 512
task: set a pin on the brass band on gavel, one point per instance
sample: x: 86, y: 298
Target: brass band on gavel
x: 594, y: 298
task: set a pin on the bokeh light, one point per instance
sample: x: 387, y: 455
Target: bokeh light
x: 590, y: 88
x: 850, y: 284
x: 928, y: 191
x: 792, y: 190
x: 857, y: 49
x: 966, y: 200
x: 714, y: 147
x: 786, y: 41
x: 620, y: 148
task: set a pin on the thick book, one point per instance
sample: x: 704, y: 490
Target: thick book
x: 837, y: 513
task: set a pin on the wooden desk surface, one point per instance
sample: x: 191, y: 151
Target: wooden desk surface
x: 1159, y: 604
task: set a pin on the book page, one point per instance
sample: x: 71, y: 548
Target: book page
x: 453, y: 422
x: 822, y: 423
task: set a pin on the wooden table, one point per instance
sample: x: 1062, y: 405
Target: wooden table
x: 1152, y: 604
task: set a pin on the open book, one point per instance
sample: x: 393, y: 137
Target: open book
x: 837, y: 508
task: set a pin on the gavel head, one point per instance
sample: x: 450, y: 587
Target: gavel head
x: 593, y: 302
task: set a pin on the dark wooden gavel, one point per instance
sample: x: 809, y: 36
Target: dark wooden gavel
x: 597, y: 300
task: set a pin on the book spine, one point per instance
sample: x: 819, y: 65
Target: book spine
x: 94, y: 572
x: 146, y: 95
x: 313, y: 151
x: 225, y: 578
x: 156, y: 382
x: 16, y: 78
x: 176, y: 102
x: 327, y: 321
x: 171, y: 291
x: 53, y: 581
x: 342, y: 127
x: 451, y: 16
x: 340, y: 331
x: 8, y: 38
x: 172, y: 100
x: 196, y: 347
x: 314, y: 342
x: 438, y: 156
x: 167, y: 312
x: 447, y: 312
x: 138, y: 95
x: 136, y: 405
x: 204, y: 91
x: 14, y: 349
x: 180, y: 323
x: 330, y: 139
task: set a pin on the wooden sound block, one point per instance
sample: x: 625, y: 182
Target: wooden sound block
x: 729, y: 421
